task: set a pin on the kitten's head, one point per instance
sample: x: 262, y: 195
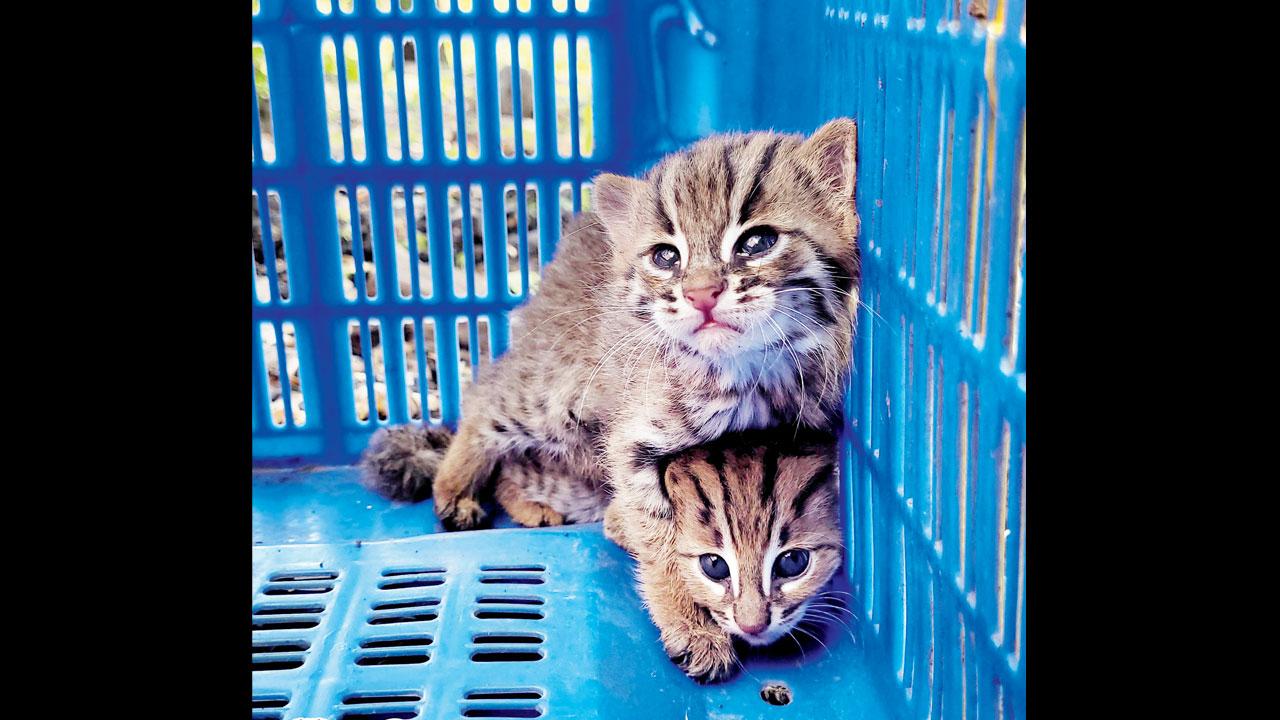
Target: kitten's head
x: 757, y: 527
x: 741, y: 241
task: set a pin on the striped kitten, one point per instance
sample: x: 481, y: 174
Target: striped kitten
x: 715, y: 294
x: 753, y: 536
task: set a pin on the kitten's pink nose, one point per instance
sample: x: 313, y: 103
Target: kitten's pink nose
x: 704, y: 298
x: 755, y: 629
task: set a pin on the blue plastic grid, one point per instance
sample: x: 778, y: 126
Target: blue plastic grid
x: 935, y: 445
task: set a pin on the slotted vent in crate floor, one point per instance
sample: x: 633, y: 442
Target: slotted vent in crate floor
x: 503, y: 703
x: 407, y: 596
x: 269, y: 706
x: 492, y: 624
x: 393, y: 705
x: 506, y: 647
x: 288, y: 608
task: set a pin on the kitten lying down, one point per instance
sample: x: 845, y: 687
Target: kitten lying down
x: 753, y: 537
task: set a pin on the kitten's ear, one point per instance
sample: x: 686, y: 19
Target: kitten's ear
x: 831, y: 153
x: 613, y: 198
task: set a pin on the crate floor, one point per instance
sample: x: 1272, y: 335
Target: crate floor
x: 363, y: 609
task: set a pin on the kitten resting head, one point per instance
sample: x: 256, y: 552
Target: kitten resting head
x: 741, y: 241
x: 757, y: 527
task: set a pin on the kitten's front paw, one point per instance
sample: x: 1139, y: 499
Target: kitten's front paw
x: 707, y: 656
x: 534, y: 514
x: 462, y: 514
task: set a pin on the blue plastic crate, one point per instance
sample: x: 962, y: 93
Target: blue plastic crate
x: 361, y: 607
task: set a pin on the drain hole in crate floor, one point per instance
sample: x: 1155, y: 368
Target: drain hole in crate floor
x: 280, y: 647
x: 416, y: 582
x: 415, y: 641
x: 270, y: 701
x: 284, y: 624
x: 403, y: 618
x: 424, y: 602
x: 509, y: 614
x: 506, y: 712
x: 308, y: 590
x: 369, y: 698
x: 516, y: 580
x: 505, y: 694
x: 513, y: 568
x: 506, y: 656
x: 405, y: 659
x: 288, y: 663
x: 288, y: 609
x: 303, y: 576
x: 503, y: 639
x: 503, y: 600
x: 379, y: 715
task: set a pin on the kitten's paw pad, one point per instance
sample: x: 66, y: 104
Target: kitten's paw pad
x: 464, y: 514
x: 707, y: 658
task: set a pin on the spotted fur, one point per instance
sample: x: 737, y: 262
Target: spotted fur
x: 747, y: 498
x: 609, y: 370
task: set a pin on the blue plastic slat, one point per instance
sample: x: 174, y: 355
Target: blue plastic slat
x: 402, y: 97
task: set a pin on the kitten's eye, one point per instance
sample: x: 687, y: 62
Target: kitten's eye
x: 791, y: 563
x: 665, y: 256
x: 714, y: 566
x: 755, y: 241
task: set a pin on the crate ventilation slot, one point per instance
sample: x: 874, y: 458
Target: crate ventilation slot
x: 269, y: 707
x: 506, y: 647
x: 405, y: 611
x: 412, y: 578
x: 380, y: 706
x: 503, y: 703
x: 287, y: 609
x: 286, y: 616
x: 405, y: 604
x: 499, y: 607
x: 394, y: 650
x: 300, y: 583
x: 513, y: 574
x: 286, y: 655
x: 284, y: 622
x: 396, y: 641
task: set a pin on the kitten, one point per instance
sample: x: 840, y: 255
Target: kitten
x: 753, y: 537
x: 715, y: 294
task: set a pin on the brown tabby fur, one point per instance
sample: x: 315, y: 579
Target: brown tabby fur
x: 607, y: 370
x: 747, y: 498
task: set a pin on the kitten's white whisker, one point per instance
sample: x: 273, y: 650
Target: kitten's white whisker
x: 833, y: 618
x: 593, y: 316
x: 574, y: 309
x: 626, y: 339
x: 791, y: 634
x: 815, y: 637
x: 855, y: 297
